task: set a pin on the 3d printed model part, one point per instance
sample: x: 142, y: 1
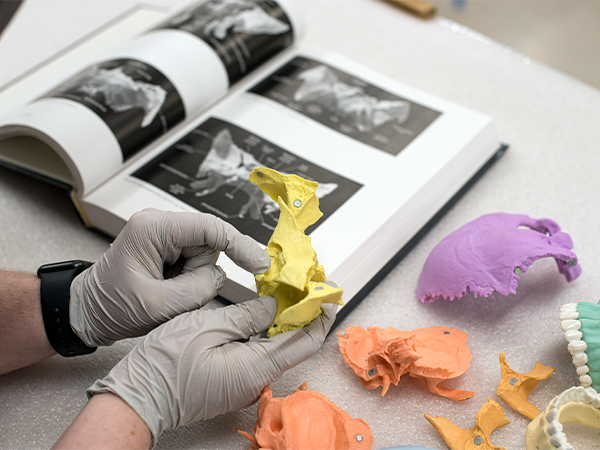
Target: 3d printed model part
x: 490, y: 253
x: 581, y: 325
x: 295, y: 278
x: 306, y: 420
x: 514, y: 387
x: 489, y: 417
x: 575, y: 406
x: 380, y: 356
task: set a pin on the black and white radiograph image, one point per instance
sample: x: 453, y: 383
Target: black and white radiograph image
x: 209, y: 170
x: 244, y: 33
x: 137, y: 102
x: 347, y: 104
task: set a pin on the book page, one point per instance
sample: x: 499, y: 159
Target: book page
x: 244, y: 34
x: 386, y: 158
x: 139, y: 91
x: 66, y: 63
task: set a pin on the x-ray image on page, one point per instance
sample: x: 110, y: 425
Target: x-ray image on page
x: 347, y: 104
x: 244, y: 33
x: 209, y: 168
x: 135, y: 100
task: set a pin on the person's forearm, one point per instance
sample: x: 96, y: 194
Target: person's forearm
x: 23, y: 338
x: 106, y: 422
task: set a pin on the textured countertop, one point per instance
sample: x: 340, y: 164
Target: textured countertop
x: 550, y: 120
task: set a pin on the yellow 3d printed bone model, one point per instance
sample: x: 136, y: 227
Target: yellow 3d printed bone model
x: 514, y: 387
x: 295, y: 278
x: 489, y: 417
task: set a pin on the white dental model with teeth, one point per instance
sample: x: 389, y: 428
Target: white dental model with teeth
x: 571, y: 325
x: 575, y: 406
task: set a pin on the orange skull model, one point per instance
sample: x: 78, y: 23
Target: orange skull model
x: 306, y: 420
x: 380, y: 356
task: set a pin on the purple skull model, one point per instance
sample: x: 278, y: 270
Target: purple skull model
x: 489, y: 253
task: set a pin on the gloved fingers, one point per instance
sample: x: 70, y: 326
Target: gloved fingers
x: 247, y: 253
x: 240, y: 373
x: 191, y: 290
x: 197, y: 229
x: 172, y: 232
x: 136, y: 245
x: 191, y: 260
x: 199, y: 256
x: 241, y: 249
x: 287, y: 350
x: 238, y: 322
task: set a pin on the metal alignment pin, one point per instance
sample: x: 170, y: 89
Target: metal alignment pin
x: 371, y: 372
x: 359, y: 437
x: 342, y: 333
x: 518, y: 271
x: 319, y: 288
x: 478, y: 440
x: 297, y: 203
x: 513, y: 381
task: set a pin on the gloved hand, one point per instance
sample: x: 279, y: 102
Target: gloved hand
x: 199, y: 365
x: 125, y: 294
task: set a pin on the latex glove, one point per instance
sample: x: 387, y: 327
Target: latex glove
x: 196, y: 366
x: 125, y: 294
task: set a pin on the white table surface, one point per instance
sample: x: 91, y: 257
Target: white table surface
x: 552, y: 123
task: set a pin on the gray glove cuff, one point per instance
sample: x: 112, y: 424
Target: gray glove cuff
x: 78, y: 313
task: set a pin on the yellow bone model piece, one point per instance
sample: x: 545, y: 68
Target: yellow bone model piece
x: 514, y: 387
x: 489, y: 417
x: 295, y: 278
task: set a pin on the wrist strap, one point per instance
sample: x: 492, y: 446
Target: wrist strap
x: 55, y: 292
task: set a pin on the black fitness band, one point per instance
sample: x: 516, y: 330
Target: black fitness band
x: 55, y: 292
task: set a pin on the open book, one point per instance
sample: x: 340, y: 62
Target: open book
x: 176, y: 117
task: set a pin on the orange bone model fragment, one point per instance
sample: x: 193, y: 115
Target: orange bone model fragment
x: 306, y: 420
x: 380, y: 356
x: 514, y: 387
x: 489, y: 417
